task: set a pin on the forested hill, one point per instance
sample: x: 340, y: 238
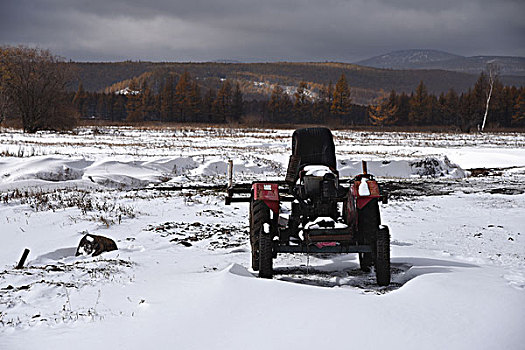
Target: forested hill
x: 256, y: 78
x: 434, y: 59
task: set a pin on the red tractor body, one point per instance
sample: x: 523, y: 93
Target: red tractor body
x: 326, y: 214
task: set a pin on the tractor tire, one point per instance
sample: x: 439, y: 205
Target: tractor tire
x: 265, y: 255
x: 259, y: 214
x: 382, y: 265
x: 368, y: 221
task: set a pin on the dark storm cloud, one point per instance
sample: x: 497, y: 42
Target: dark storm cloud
x: 261, y: 30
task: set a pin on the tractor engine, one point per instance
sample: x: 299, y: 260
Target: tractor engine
x: 318, y: 188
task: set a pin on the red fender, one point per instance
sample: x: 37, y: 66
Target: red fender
x: 268, y: 193
x: 373, y: 188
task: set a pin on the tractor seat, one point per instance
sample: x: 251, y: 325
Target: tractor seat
x: 311, y: 146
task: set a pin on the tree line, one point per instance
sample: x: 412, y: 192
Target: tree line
x: 176, y: 99
x: 33, y: 90
x: 464, y: 111
x: 181, y: 99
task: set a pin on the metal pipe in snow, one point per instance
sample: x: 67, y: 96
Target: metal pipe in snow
x: 365, y: 169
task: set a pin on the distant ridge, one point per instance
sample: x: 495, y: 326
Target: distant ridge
x: 258, y: 79
x: 434, y: 59
x: 226, y: 61
x: 407, y: 59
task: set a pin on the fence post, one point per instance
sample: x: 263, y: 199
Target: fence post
x: 230, y: 173
x: 23, y: 259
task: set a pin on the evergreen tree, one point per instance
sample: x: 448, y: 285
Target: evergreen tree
x: 450, y: 108
x: 499, y: 106
x: 420, y: 106
x: 79, y: 99
x: 120, y: 107
x: 330, y: 93
x: 441, y: 104
x: 102, y: 110
x: 195, y: 102
x: 167, y: 100
x: 403, y: 109
x: 237, y: 103
x: 435, y: 113
x: 321, y: 107
x: 385, y: 111
x: 467, y: 111
x: 110, y: 106
x: 518, y: 117
x: 207, y: 105
x: 134, y: 104
x: 279, y: 106
x: 510, y: 95
x: 302, y: 105
x: 147, y: 104
x: 223, y: 103
x: 181, y: 97
x: 341, y: 100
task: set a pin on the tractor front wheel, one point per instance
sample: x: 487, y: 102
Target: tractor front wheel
x: 368, y: 221
x: 259, y: 215
x: 265, y: 255
x: 382, y: 265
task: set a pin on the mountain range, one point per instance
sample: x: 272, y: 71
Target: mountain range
x: 401, y: 71
x: 434, y: 59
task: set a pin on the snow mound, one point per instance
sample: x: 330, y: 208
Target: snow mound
x: 109, y: 172
x: 132, y: 172
x: 54, y: 256
x: 239, y: 270
x: 117, y: 173
x: 42, y: 168
x: 427, y: 167
x: 434, y: 167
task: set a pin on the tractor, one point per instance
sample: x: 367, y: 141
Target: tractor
x: 328, y: 214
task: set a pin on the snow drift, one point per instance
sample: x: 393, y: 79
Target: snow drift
x: 126, y: 172
x: 425, y: 167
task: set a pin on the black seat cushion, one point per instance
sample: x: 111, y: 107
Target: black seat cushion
x: 314, y: 146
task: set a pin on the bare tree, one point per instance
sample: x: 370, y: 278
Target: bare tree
x: 4, y: 105
x: 4, y: 97
x: 34, y: 83
x: 493, y: 71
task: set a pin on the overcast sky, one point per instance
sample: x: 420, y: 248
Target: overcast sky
x: 262, y: 30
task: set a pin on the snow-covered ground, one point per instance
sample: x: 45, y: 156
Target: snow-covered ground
x: 180, y: 277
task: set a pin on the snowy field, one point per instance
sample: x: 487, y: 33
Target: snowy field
x: 181, y: 279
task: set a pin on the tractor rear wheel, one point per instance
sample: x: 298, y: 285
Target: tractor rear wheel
x: 265, y: 255
x: 259, y: 214
x: 382, y: 265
